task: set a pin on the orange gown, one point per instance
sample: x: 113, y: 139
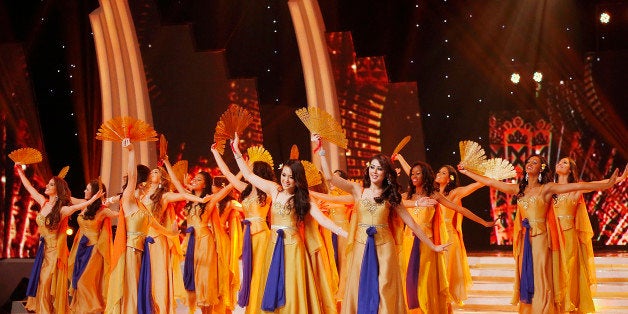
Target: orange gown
x: 127, y: 261
x: 90, y: 294
x: 540, y: 217
x: 300, y: 286
x: 51, y: 296
x: 577, y: 253
x: 433, y: 289
x: 458, y: 272
x: 368, y: 213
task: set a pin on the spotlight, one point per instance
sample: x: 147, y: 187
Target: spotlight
x: 605, y: 18
x: 537, y: 77
x: 515, y: 78
x: 69, y: 231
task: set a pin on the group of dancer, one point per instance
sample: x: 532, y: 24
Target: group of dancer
x: 357, y: 247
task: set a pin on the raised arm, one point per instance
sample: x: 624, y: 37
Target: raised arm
x: 465, y: 212
x: 508, y: 188
x: 337, y: 181
x: 324, y: 221
x: 69, y: 210
x: 267, y: 186
x: 173, y: 178
x: 109, y: 213
x: 404, y: 164
x: 39, y: 198
x: 407, y: 219
x: 171, y: 197
x: 128, y: 193
x: 237, y: 184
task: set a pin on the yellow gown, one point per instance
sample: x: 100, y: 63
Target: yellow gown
x: 577, y: 252
x: 433, y: 289
x: 51, y: 296
x: 260, y: 236
x: 126, y: 264
x: 458, y: 272
x: 340, y: 214
x: 300, y: 286
x: 368, y: 213
x: 90, y: 294
x: 537, y: 211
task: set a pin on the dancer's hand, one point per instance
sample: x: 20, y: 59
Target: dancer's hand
x: 126, y: 143
x: 441, y: 247
x: 234, y: 145
x: 425, y: 202
x: 623, y: 175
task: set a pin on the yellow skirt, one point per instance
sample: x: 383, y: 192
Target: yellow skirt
x: 458, y: 273
x: 259, y: 242
x: 543, y: 299
x: 578, y: 288
x: 162, y: 284
x: 43, y: 301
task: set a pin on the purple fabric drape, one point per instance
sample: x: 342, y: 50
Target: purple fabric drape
x: 188, y: 265
x: 275, y: 290
x: 31, y: 289
x: 368, y: 291
x: 412, y: 275
x: 247, y: 266
x: 334, y: 243
x: 526, y: 286
x: 144, y: 293
x: 83, y: 253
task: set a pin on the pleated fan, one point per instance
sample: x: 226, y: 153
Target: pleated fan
x: 119, y: 128
x: 320, y: 122
x: 235, y: 119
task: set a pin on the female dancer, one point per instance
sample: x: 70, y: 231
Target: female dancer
x: 532, y: 247
x: 427, y: 290
x: 48, y: 284
x: 577, y: 249
x: 206, y: 270
x: 91, y: 256
x: 374, y: 282
x: 256, y: 205
x: 289, y: 286
x: 130, y: 281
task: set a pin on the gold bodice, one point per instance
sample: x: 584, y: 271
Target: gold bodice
x: 50, y: 236
x: 283, y: 216
x: 90, y: 228
x: 255, y: 213
x: 565, y: 207
x: 423, y: 216
x: 137, y: 225
x: 372, y: 214
x: 534, y: 208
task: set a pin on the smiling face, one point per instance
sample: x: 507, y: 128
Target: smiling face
x: 377, y: 173
x: 287, y: 180
x: 416, y: 176
x: 563, y: 167
x: 533, y: 165
x: 442, y: 176
x: 51, y: 188
x: 198, y: 182
x: 155, y: 176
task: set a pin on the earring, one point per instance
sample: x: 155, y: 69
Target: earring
x: 388, y: 180
x: 526, y: 177
x: 540, y: 177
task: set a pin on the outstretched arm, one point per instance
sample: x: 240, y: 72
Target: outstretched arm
x: 465, y: 212
x: 40, y: 199
x: 127, y: 194
x: 69, y: 210
x: 324, y: 221
x: 554, y: 188
x: 337, y: 181
x: 407, y: 219
x: 237, y: 184
x: 508, y: 188
x: 267, y: 186
x: 463, y: 191
x: 338, y: 199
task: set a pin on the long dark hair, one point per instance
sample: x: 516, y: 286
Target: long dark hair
x: 546, y: 174
x: 207, y: 190
x: 573, y: 170
x: 142, y: 176
x: 428, y: 183
x: 63, y: 199
x: 93, y: 208
x: 390, y: 186
x: 301, y: 198
x: 453, y: 183
x: 264, y: 171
